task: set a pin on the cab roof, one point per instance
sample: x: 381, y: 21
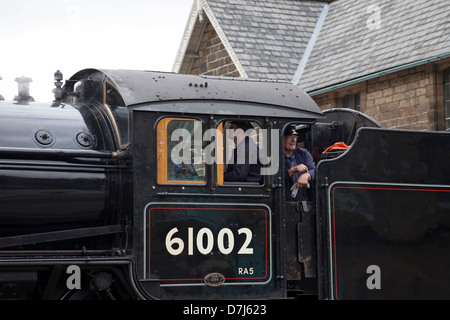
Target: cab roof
x: 273, y: 98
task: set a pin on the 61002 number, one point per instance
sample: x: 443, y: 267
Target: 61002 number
x: 204, y: 241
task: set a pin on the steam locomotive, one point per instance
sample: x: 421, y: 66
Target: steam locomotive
x: 92, y: 205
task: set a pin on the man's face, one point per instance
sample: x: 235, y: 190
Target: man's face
x: 290, y: 142
x: 232, y: 132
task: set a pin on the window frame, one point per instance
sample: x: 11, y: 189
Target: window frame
x: 221, y: 153
x: 162, y: 151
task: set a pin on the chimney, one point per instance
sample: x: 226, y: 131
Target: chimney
x: 24, y: 90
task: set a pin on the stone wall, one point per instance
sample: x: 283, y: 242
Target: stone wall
x: 213, y: 59
x: 401, y: 100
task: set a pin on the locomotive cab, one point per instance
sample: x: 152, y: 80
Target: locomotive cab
x: 198, y: 235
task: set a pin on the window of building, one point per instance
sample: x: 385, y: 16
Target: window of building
x: 351, y: 101
x: 180, y: 147
x: 447, y: 98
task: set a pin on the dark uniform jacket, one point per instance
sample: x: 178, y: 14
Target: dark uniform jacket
x: 299, y: 156
x: 243, y: 169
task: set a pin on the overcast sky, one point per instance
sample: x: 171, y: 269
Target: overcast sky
x: 38, y: 37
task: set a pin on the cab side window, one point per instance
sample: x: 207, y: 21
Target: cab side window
x: 180, y: 148
x: 239, y: 154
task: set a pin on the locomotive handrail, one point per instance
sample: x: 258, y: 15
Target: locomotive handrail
x: 119, y: 154
x: 224, y: 195
x: 33, y: 238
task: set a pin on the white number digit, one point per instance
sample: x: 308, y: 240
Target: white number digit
x: 245, y: 249
x: 209, y: 241
x: 221, y: 241
x: 190, y: 241
x: 175, y: 241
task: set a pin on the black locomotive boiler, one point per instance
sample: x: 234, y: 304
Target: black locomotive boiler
x: 116, y: 190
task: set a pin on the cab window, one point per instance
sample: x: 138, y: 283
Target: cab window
x: 180, y: 148
x: 239, y: 153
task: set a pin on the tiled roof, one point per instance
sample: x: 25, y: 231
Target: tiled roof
x: 350, y: 46
x: 268, y: 37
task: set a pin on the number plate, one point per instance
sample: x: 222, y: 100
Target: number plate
x: 183, y: 243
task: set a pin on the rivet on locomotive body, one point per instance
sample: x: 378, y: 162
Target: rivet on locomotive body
x: 43, y: 137
x: 85, y: 139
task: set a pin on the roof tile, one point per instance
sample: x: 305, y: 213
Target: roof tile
x: 283, y: 27
x: 409, y: 31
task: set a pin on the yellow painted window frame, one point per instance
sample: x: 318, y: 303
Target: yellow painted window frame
x: 220, y: 156
x: 161, y: 152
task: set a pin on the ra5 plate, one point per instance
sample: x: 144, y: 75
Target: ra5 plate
x: 185, y: 243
